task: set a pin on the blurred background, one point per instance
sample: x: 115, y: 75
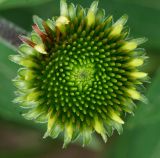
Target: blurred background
x: 22, y: 139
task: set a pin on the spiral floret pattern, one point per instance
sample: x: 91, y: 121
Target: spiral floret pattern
x: 80, y: 73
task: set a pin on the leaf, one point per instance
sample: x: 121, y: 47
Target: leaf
x: 5, y: 4
x: 141, y: 137
x: 8, y: 110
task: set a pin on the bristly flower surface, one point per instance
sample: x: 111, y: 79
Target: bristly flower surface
x: 80, y: 73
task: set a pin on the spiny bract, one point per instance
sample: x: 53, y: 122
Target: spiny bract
x: 80, y: 73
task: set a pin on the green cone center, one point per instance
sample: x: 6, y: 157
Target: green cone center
x: 82, y: 76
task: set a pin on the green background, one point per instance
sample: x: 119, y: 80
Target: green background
x: 141, y: 137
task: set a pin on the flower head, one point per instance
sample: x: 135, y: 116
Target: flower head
x: 80, y: 73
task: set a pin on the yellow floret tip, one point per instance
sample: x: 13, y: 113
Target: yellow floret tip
x: 138, y: 74
x: 40, y: 48
x: 69, y: 131
x: 51, y: 121
x: 116, y: 30
x: 31, y: 96
x: 29, y: 75
x: 134, y: 94
x: 28, y: 62
x: 115, y: 117
x: 91, y: 16
x: 128, y: 46
x: 99, y: 128
x: 68, y: 134
x: 136, y: 62
x: 62, y: 20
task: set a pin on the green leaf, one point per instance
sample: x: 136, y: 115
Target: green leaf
x: 5, y: 4
x: 141, y: 138
x: 8, y: 110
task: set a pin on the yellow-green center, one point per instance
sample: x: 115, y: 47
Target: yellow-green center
x: 83, y: 76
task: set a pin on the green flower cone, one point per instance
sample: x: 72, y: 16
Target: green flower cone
x: 80, y: 73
